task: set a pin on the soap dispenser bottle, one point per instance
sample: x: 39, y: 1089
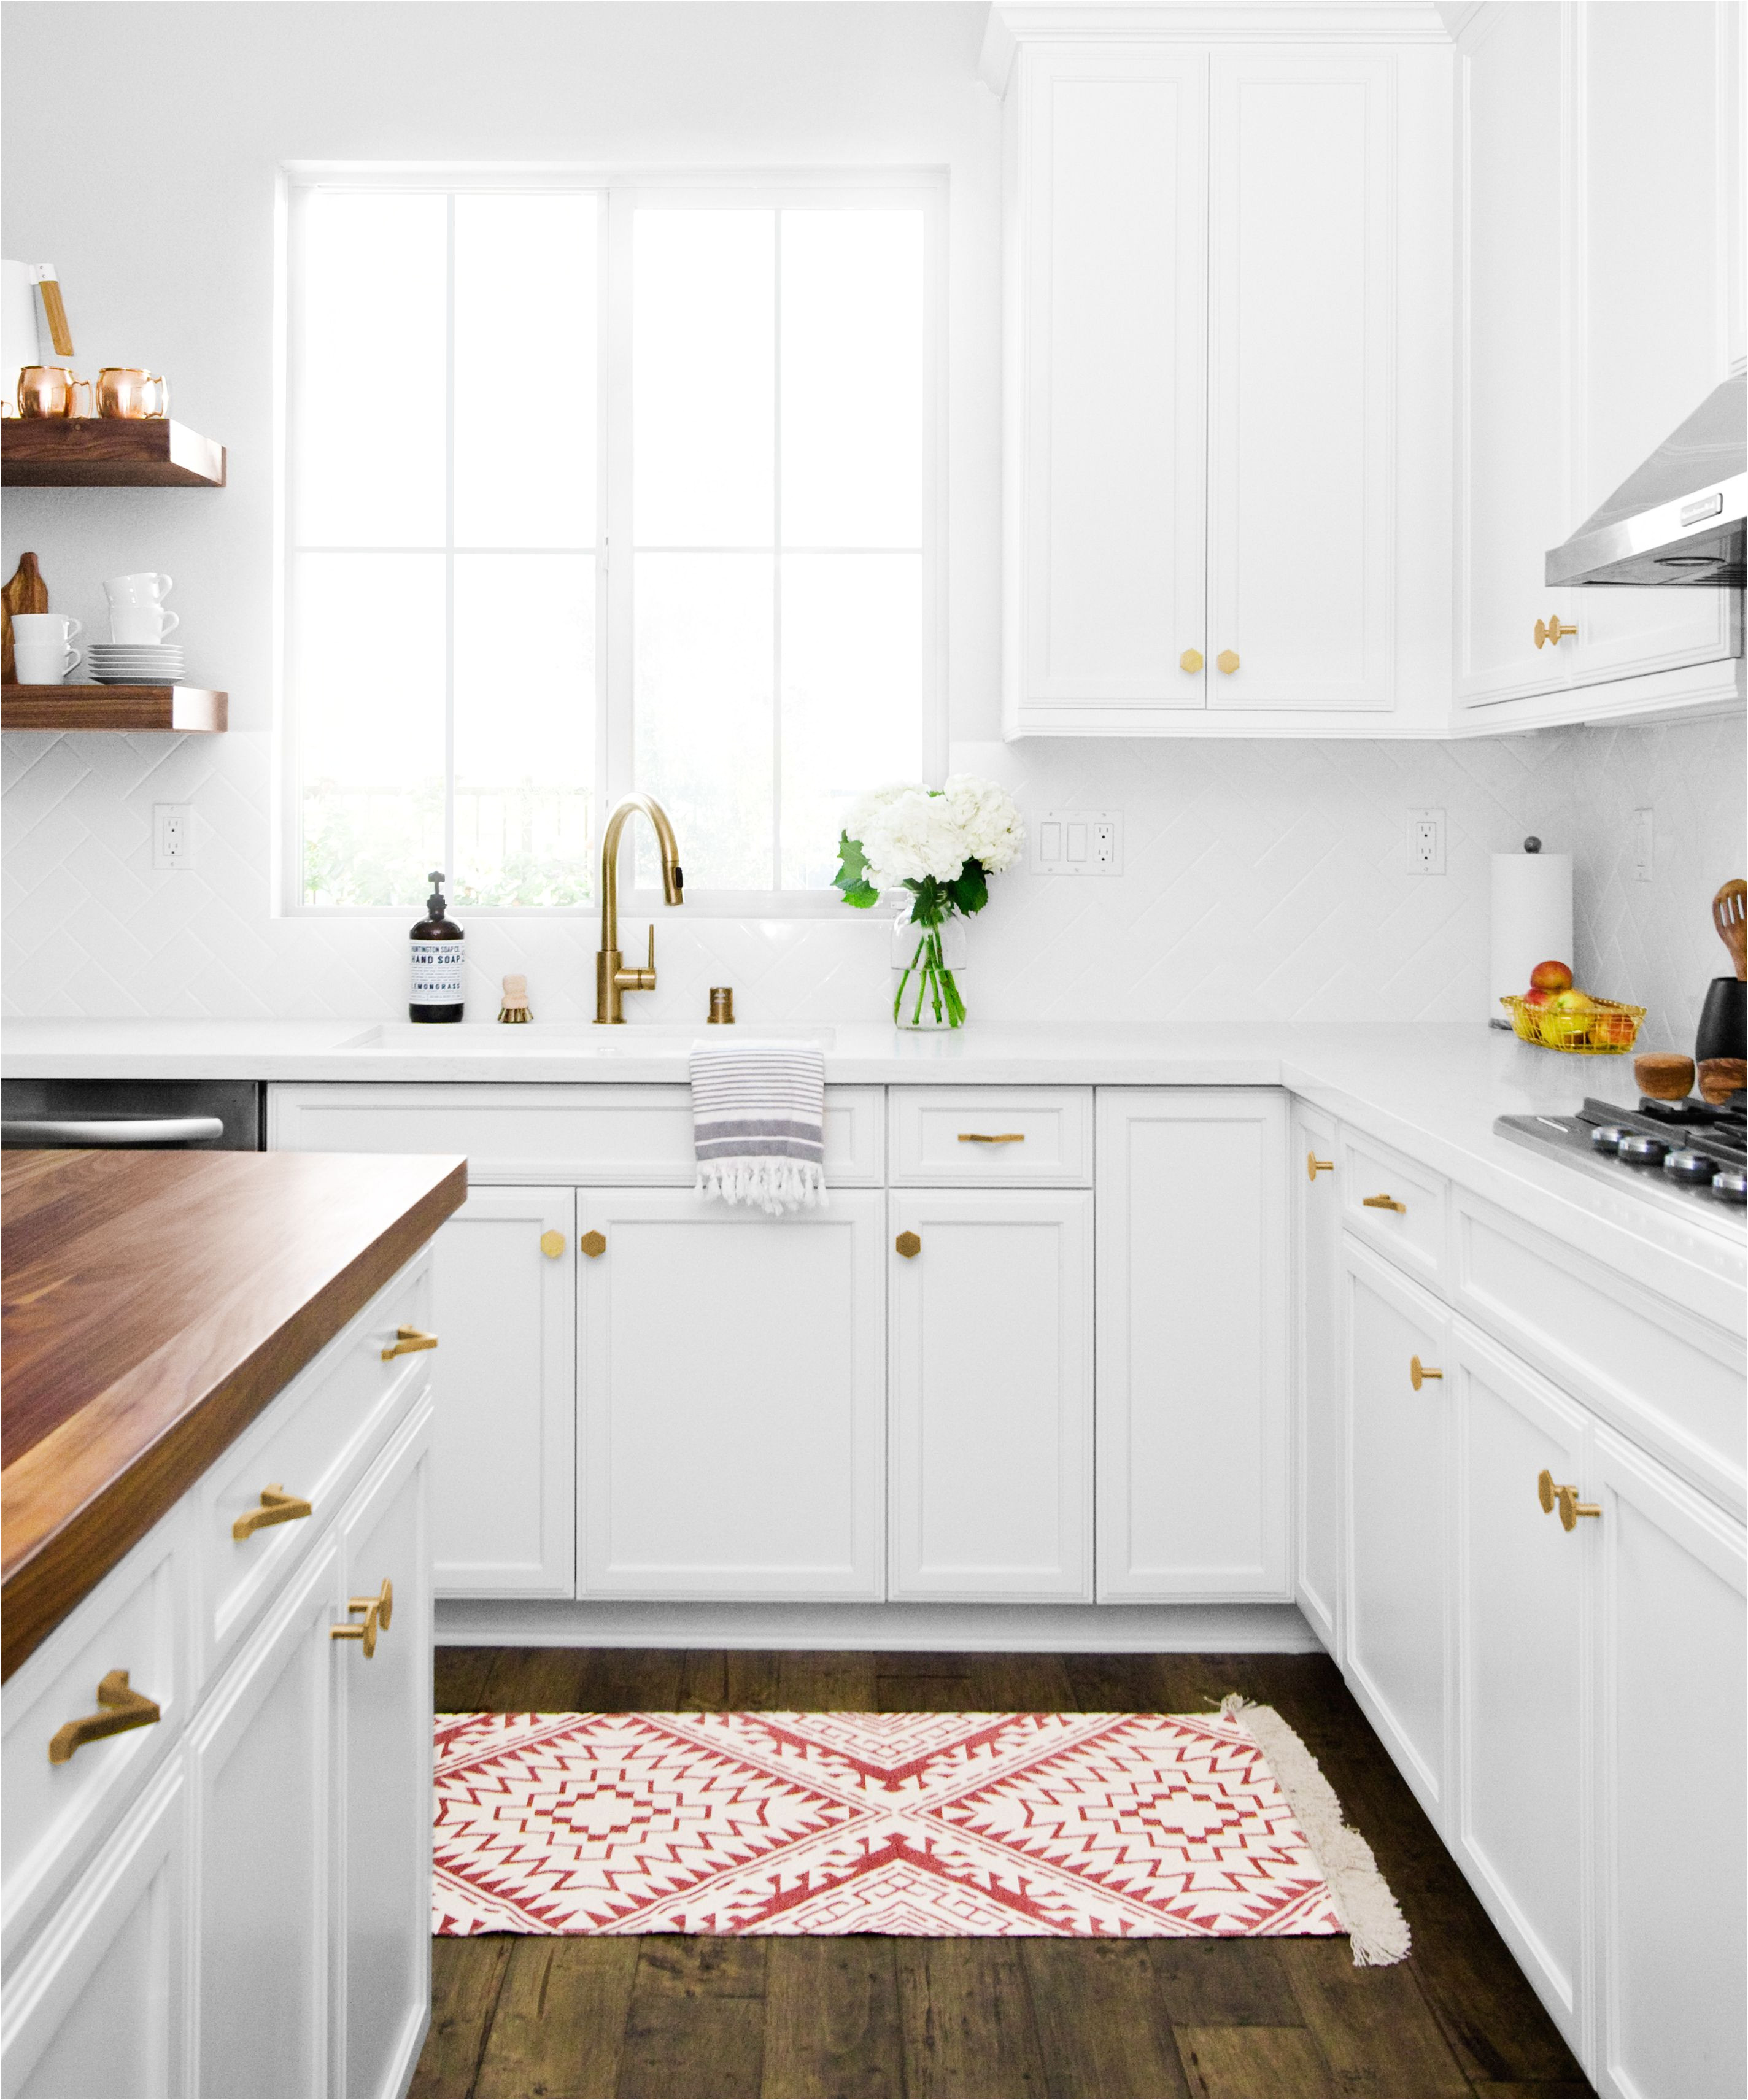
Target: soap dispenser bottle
x: 439, y: 955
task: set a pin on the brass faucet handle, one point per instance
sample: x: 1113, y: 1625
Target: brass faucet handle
x: 644, y: 980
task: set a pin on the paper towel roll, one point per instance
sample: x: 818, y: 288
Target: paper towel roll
x: 1532, y: 921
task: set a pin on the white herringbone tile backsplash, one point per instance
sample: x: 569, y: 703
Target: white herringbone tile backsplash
x: 1260, y: 879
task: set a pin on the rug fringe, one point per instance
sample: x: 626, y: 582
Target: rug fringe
x: 1372, y: 1915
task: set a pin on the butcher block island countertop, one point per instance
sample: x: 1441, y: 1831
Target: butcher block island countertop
x: 153, y: 1304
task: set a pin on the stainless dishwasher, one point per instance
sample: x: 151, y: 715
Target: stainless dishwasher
x: 191, y: 1115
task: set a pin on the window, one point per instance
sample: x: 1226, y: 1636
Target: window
x: 590, y: 489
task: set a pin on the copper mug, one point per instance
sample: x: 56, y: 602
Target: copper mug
x: 45, y: 391
x: 125, y: 392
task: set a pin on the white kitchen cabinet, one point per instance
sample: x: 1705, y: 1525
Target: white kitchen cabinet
x: 1194, y: 1455
x: 504, y: 1480
x: 1395, y: 1631
x: 991, y: 1394
x: 1670, y: 1722
x: 734, y: 1378
x: 1311, y: 1174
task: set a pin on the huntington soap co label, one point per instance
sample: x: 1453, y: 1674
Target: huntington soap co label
x: 437, y: 968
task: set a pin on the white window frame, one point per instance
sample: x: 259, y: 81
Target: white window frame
x: 621, y: 191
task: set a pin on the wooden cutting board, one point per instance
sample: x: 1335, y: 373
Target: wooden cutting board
x: 26, y: 593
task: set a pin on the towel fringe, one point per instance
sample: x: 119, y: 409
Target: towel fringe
x: 775, y: 1185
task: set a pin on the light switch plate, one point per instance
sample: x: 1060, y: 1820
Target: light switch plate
x: 1078, y: 842
x: 172, y: 836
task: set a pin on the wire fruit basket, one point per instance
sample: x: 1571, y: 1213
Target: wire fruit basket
x: 1612, y: 1029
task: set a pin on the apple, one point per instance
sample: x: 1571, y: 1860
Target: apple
x: 1551, y: 976
x: 1571, y: 1001
x: 1538, y: 999
x: 1616, y: 1028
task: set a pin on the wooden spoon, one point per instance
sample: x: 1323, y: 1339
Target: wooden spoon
x: 1729, y: 915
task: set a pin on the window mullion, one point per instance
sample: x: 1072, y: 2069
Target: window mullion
x: 616, y: 741
x: 449, y: 548
x: 776, y: 556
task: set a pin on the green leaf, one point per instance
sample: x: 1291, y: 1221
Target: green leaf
x: 852, y: 876
x: 971, y: 890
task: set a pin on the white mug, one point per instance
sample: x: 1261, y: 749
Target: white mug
x: 43, y: 663
x: 147, y: 588
x: 141, y: 623
x: 45, y: 628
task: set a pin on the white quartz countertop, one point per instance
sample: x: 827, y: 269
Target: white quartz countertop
x: 1431, y: 1091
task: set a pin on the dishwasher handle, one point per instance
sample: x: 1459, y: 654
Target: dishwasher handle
x: 106, y: 1133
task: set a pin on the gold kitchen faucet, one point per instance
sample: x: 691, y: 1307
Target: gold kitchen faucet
x: 611, y: 980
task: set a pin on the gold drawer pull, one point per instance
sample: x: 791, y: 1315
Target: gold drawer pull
x: 1418, y: 1373
x: 1000, y: 1137
x: 552, y: 1244
x: 1314, y: 1166
x: 1551, y: 630
x: 276, y: 1507
x: 1549, y: 1494
x: 409, y: 1341
x: 377, y: 1611
x: 593, y: 1244
x: 1383, y: 1203
x: 119, y: 1710
x: 908, y: 1245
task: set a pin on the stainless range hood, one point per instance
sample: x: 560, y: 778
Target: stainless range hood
x: 1680, y: 518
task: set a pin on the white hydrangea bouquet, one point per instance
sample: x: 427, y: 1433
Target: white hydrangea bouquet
x: 942, y: 845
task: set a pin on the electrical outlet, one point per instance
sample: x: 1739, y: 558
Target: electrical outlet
x: 1645, y: 855
x: 172, y: 836
x: 1426, y: 841
x: 1078, y: 842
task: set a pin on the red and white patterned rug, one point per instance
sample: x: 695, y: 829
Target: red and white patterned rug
x: 939, y: 1825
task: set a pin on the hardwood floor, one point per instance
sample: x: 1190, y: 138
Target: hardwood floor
x: 1088, y: 2019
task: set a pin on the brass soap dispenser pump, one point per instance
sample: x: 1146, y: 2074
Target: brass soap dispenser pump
x: 439, y: 955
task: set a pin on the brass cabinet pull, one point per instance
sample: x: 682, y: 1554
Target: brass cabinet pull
x: 1551, y: 1494
x: 378, y: 1610
x: 552, y: 1244
x: 1314, y: 1166
x: 276, y: 1507
x: 908, y: 1245
x: 1000, y: 1137
x: 1383, y: 1203
x: 1418, y: 1373
x: 409, y: 1341
x: 118, y: 1710
x: 592, y: 1243
x: 1551, y: 630
x: 1190, y: 661
x: 1228, y: 661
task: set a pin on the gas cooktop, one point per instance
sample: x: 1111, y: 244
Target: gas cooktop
x: 1683, y: 1155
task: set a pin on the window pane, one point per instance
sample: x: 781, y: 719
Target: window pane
x: 524, y: 727
x: 704, y: 746
x: 852, y: 378
x: 702, y: 377
x: 852, y: 696
x: 525, y: 343
x: 367, y: 371
x: 366, y: 686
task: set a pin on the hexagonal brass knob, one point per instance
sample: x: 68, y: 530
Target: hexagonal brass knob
x: 552, y: 1244
x: 908, y: 1245
x: 592, y: 1243
x: 1190, y: 661
x: 1228, y: 661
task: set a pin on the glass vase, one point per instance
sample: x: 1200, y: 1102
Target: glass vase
x: 926, y: 965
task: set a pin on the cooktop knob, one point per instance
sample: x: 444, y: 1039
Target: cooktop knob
x: 1731, y: 1186
x: 1608, y: 1138
x: 1697, y: 1168
x: 1643, y: 1151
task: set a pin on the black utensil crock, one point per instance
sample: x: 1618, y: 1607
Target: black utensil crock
x: 1723, y: 1022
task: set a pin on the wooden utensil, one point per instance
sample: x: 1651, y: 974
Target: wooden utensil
x: 25, y: 592
x: 1729, y: 915
x: 1721, y: 1077
x: 1663, y: 1074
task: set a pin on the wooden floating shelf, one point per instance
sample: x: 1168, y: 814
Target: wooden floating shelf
x: 102, y: 451
x: 136, y: 708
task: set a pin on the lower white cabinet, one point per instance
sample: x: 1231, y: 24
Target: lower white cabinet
x: 1311, y: 1168
x: 991, y: 1394
x: 504, y: 1473
x: 1193, y: 1374
x: 734, y: 1393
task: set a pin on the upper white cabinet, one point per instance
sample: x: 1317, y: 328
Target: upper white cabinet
x: 1227, y: 322
x: 1599, y: 265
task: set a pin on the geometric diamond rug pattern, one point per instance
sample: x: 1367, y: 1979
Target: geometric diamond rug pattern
x: 1080, y: 1825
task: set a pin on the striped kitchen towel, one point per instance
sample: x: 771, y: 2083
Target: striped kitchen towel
x: 758, y: 1124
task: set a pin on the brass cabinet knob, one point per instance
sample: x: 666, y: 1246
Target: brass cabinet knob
x: 592, y: 1243
x: 1228, y: 661
x: 1191, y: 660
x: 408, y: 1342
x: 1314, y: 1166
x: 1552, y: 1495
x: 552, y: 1244
x: 1418, y: 1373
x: 1551, y: 630
x: 276, y: 1507
x: 378, y: 1610
x: 1383, y: 1203
x: 908, y: 1245
x: 118, y: 1709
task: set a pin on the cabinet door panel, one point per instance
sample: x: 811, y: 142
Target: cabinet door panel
x: 1522, y: 1624
x: 1672, y: 1713
x: 992, y: 1389
x: 504, y: 1472
x: 733, y: 1389
x: 1316, y: 1341
x: 1193, y: 1367
x: 1397, y: 1551
x: 1301, y: 380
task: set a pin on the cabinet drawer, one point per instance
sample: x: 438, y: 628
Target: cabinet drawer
x: 599, y: 1135
x: 965, y: 1137
x: 313, y: 1442
x: 134, y: 1620
x: 1407, y: 1226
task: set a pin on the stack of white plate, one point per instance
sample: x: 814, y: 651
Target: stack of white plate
x: 136, y: 663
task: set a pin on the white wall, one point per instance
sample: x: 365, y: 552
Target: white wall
x: 140, y: 146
